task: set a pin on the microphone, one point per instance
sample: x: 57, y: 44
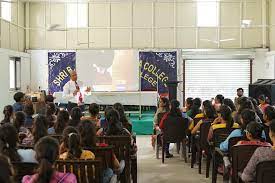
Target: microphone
x: 76, y: 86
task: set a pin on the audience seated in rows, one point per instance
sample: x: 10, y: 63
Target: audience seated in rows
x: 261, y: 154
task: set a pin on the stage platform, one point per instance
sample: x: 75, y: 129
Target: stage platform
x: 143, y: 126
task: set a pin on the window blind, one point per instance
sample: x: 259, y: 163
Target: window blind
x: 207, y: 78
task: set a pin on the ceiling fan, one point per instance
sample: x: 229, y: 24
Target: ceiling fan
x: 222, y: 40
x: 55, y: 27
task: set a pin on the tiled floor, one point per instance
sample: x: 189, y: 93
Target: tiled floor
x: 151, y: 170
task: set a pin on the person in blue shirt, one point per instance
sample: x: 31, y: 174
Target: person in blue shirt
x: 19, y: 98
x: 247, y: 116
x: 29, y: 111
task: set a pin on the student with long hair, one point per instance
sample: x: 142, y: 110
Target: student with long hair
x: 87, y: 132
x: 8, y: 145
x: 269, y: 115
x: 29, y: 111
x: 115, y: 126
x: 163, y: 107
x: 103, y: 121
x: 261, y: 154
x: 209, y: 113
x: 72, y: 145
x: 125, y: 121
x: 18, y: 123
x: 50, y: 114
x: 94, y: 114
x: 253, y: 134
x: 47, y: 149
x: 8, y: 115
x: 61, y: 123
x: 224, y: 121
x: 205, y: 105
x: 195, y: 108
x: 39, y: 130
x: 247, y: 116
x: 218, y: 102
x: 7, y: 172
x: 188, y: 105
x: 263, y: 101
x: 173, y: 116
x: 76, y: 115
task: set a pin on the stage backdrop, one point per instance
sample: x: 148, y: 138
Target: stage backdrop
x: 60, y: 64
x: 156, y: 68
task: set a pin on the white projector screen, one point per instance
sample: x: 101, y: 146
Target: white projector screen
x: 108, y: 70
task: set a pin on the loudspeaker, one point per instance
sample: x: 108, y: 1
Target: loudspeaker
x: 263, y: 87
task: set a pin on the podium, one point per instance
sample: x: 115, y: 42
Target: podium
x: 172, y: 89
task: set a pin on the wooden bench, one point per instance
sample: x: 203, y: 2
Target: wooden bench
x: 86, y: 171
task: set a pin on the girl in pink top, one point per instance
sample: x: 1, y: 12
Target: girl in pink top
x: 47, y: 150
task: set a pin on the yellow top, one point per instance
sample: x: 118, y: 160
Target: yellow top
x: 84, y: 155
x: 223, y: 125
x: 191, y: 125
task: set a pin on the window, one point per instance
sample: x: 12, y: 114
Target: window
x: 207, y: 14
x: 6, y: 10
x: 77, y: 15
x: 207, y: 78
x: 15, y: 73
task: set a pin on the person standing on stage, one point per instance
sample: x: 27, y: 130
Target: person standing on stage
x: 72, y: 90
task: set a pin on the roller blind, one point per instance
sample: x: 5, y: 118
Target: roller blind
x: 207, y: 78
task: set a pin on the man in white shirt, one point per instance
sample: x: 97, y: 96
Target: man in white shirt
x: 73, y: 88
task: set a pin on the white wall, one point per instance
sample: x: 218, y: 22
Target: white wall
x: 13, y: 33
x: 166, y: 24
x: 263, y: 65
x: 272, y: 24
x: 39, y: 69
x: 6, y: 96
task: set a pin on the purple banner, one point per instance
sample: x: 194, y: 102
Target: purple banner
x: 60, y: 64
x: 156, y: 69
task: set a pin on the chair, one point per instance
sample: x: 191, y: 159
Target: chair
x: 86, y: 171
x: 22, y: 169
x: 122, y: 146
x: 265, y: 172
x: 174, y: 131
x: 192, y: 142
x: 105, y: 153
x: 219, y: 135
x: 202, y: 145
x: 241, y: 155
